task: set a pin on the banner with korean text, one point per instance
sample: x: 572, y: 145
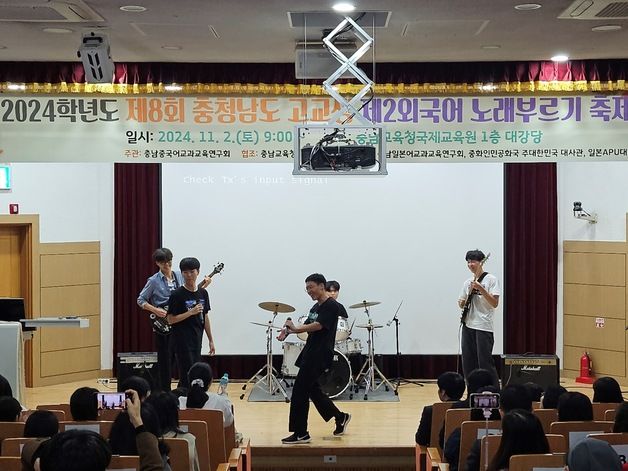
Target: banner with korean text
x: 153, y: 128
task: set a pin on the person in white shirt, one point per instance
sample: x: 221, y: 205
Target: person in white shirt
x: 482, y: 292
x: 199, y: 397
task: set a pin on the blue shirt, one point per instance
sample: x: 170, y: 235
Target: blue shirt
x: 157, y: 291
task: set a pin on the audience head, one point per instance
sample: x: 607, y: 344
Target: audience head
x: 479, y: 378
x: 180, y: 391
x: 41, y: 423
x: 200, y: 377
x: 75, y: 450
x: 10, y: 409
x: 167, y: 406
x: 122, y: 435
x: 535, y: 391
x: 136, y: 383
x: 84, y: 404
x: 5, y: 387
x: 522, y: 434
x: 515, y: 396
x: 621, y: 419
x: 550, y: 398
x: 593, y: 455
x: 450, y: 386
x: 606, y: 389
x: 574, y: 407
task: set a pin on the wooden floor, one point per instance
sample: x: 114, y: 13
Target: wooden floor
x: 385, y: 424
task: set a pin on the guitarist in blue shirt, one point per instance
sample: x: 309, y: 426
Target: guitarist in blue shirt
x: 154, y: 299
x: 479, y: 297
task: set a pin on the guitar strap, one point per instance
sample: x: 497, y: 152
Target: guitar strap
x: 479, y: 280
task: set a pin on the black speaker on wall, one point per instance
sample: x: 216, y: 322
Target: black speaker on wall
x: 540, y: 369
x: 142, y: 364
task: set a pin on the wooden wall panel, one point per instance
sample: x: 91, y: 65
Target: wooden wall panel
x: 70, y: 361
x: 605, y: 362
x: 70, y: 286
x: 607, y: 269
x: 70, y: 269
x: 593, y: 300
x: 580, y: 331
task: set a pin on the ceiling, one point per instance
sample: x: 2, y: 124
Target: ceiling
x: 260, y: 30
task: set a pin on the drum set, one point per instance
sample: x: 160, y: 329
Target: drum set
x: 347, y: 352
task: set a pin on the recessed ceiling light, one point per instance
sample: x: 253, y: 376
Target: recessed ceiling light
x: 488, y: 87
x: 491, y: 46
x: 133, y: 8
x: 560, y: 58
x: 527, y: 6
x: 57, y: 30
x: 171, y: 47
x: 343, y: 7
x: 173, y: 88
x: 605, y: 28
x: 16, y: 87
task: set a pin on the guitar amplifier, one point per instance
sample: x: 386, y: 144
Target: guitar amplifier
x: 540, y: 369
x: 142, y: 364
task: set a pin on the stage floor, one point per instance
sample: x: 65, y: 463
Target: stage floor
x: 382, y: 424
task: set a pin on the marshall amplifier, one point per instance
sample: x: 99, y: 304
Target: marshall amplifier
x: 142, y: 364
x: 540, y: 369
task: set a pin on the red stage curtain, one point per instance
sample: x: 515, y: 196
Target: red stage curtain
x: 530, y: 258
x: 455, y: 72
x: 137, y: 213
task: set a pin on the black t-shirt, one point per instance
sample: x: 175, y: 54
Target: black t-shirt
x: 343, y: 312
x: 319, y: 348
x: 181, y: 300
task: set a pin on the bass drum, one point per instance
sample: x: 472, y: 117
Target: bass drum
x: 337, y: 378
x: 342, y: 329
x: 291, y: 351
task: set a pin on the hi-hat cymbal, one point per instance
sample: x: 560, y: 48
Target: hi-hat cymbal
x: 369, y: 326
x: 364, y: 304
x: 265, y: 325
x: 274, y: 306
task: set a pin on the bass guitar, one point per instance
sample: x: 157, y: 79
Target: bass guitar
x: 160, y: 324
x: 467, y: 304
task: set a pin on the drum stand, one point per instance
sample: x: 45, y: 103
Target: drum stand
x: 369, y: 369
x: 269, y: 379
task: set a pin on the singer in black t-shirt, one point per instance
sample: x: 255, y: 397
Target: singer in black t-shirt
x: 188, y: 309
x: 316, y: 357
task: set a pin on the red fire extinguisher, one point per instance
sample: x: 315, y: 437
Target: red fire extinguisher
x: 586, y: 370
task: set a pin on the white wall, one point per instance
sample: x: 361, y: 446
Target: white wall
x: 602, y: 187
x: 75, y: 204
x: 388, y: 239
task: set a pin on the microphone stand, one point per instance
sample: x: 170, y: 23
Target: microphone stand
x: 398, y: 381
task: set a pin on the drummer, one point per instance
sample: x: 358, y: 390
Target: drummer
x: 333, y: 288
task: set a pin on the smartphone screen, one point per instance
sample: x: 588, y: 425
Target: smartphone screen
x: 111, y: 400
x: 485, y: 401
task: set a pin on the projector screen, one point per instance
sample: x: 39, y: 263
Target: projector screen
x: 396, y: 239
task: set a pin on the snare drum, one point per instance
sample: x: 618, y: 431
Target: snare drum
x: 342, y: 329
x: 350, y: 346
x: 337, y: 378
x: 291, y: 351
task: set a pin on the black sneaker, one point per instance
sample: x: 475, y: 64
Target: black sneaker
x: 296, y: 439
x: 341, y: 425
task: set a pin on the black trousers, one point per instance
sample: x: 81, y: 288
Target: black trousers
x: 306, y: 387
x: 165, y: 356
x: 477, y: 352
x: 188, y: 351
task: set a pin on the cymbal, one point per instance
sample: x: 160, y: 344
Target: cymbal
x: 274, y: 306
x: 369, y: 326
x: 364, y: 304
x: 265, y: 325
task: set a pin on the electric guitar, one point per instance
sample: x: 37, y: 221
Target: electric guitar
x: 160, y: 324
x: 467, y: 304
